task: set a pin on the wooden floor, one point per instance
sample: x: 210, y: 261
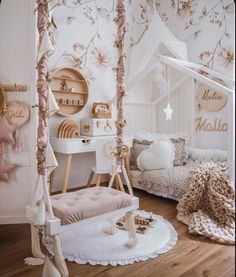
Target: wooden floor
x: 191, y: 256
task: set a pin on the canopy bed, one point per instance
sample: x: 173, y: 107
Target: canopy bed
x: 61, y: 212
x: 161, y: 77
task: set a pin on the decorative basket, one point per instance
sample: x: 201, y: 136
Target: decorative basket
x: 101, y: 110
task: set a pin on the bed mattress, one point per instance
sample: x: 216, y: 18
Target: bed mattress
x: 171, y: 183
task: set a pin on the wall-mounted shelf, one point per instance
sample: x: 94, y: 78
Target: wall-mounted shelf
x: 68, y: 79
x: 70, y: 90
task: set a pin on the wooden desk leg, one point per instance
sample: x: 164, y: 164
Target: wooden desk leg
x: 90, y: 179
x: 51, y: 178
x: 98, y: 180
x: 66, y: 173
x: 127, y: 167
x: 120, y: 182
x: 116, y: 181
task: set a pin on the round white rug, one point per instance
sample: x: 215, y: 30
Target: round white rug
x: 89, y: 244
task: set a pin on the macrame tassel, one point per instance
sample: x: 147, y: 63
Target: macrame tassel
x: 17, y: 145
x: 34, y: 261
x: 38, y: 257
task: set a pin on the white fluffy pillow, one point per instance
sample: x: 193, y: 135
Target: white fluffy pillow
x: 160, y: 155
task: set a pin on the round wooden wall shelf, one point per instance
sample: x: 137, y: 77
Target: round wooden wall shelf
x: 70, y: 90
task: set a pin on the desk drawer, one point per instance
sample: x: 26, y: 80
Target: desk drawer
x: 72, y: 146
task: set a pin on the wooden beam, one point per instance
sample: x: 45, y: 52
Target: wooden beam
x: 14, y: 87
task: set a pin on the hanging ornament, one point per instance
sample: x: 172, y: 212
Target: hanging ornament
x: 6, y: 130
x: 17, y: 113
x: 5, y: 169
x: 168, y: 111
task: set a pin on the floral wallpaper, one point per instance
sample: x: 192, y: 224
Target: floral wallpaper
x: 88, y: 52
x: 192, y: 21
x: 206, y: 26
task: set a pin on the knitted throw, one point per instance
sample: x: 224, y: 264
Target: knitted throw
x: 208, y: 206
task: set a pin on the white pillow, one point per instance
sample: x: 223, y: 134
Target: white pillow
x: 144, y: 136
x: 160, y: 155
x: 207, y: 155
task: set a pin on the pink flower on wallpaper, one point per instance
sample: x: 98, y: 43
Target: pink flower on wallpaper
x: 101, y: 58
x: 204, y: 55
x: 186, y: 7
x: 226, y: 56
x: 74, y: 60
x: 164, y: 17
x: 78, y: 47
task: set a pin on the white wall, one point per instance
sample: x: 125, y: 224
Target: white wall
x: 17, y: 56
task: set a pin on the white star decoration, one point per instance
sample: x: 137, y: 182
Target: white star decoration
x: 168, y: 111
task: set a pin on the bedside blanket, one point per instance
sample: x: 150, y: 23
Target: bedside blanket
x: 208, y: 205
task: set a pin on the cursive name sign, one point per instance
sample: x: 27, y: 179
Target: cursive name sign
x: 17, y: 113
x: 211, y: 100
x: 203, y: 125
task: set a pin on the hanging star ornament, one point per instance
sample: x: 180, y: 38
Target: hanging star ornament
x: 168, y: 111
x: 5, y: 169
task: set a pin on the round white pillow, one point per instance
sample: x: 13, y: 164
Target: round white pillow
x: 160, y: 155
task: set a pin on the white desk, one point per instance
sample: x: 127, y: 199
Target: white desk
x: 76, y: 146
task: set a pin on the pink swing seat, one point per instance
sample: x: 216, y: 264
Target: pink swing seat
x: 86, y: 203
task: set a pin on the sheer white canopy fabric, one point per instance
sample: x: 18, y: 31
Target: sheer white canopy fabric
x: 144, y: 54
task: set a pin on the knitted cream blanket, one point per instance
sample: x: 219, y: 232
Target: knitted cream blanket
x: 208, y: 206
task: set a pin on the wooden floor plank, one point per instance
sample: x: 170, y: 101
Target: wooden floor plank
x: 191, y: 256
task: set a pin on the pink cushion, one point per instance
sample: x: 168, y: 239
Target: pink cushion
x: 71, y: 207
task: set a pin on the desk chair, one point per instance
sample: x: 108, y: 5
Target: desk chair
x: 105, y: 163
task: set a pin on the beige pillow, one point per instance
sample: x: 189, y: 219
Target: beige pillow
x: 138, y: 147
x: 181, y: 156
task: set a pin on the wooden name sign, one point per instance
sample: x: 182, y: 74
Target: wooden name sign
x: 211, y: 100
x: 216, y: 126
x: 17, y: 113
